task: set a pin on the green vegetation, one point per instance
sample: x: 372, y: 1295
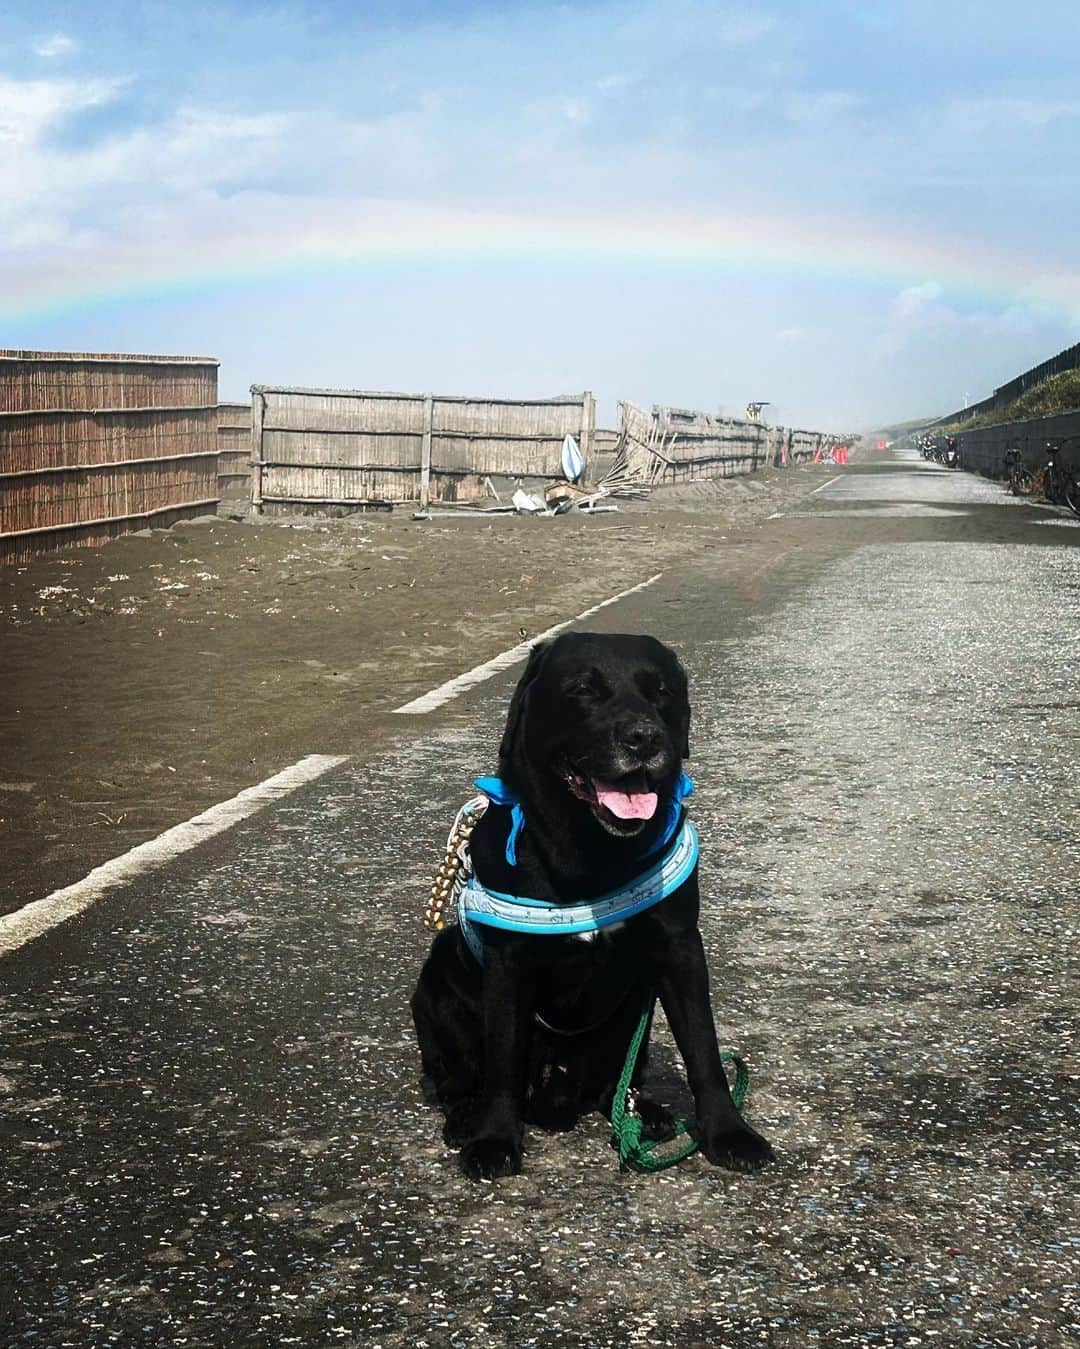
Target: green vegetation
x: 1059, y: 393
x: 897, y: 430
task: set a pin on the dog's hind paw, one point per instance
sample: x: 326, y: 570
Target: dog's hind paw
x: 735, y: 1146
x: 489, y: 1158
x: 554, y: 1116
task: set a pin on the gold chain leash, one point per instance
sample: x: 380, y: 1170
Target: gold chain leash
x: 450, y: 877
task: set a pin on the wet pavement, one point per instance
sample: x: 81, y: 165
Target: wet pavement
x: 212, y: 1127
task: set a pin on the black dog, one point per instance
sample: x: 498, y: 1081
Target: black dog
x: 593, y: 748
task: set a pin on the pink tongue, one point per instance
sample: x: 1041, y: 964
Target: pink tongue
x: 628, y: 805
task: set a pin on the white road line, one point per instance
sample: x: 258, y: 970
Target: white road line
x: 427, y: 702
x: 826, y: 484
x: 37, y: 918
x: 33, y: 920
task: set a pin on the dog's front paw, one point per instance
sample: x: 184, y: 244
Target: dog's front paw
x: 732, y: 1143
x: 489, y: 1158
x: 462, y: 1121
x: 657, y: 1122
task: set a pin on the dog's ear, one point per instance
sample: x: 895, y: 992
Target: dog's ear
x: 521, y: 697
x: 683, y: 710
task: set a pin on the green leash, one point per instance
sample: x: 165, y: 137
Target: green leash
x: 640, y: 1154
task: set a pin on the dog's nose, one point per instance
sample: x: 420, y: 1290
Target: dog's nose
x: 643, y: 738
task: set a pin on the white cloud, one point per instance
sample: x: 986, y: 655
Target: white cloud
x: 106, y: 195
x: 56, y: 45
x: 924, y: 314
x: 918, y: 302
x: 28, y: 108
x: 200, y: 147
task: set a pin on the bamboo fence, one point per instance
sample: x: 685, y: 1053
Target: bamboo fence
x: 96, y: 445
x: 672, y: 445
x: 319, y: 448
x: 234, y: 453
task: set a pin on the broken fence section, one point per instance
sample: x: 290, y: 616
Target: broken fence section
x: 671, y: 445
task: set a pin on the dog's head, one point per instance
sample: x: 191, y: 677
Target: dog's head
x: 599, y: 723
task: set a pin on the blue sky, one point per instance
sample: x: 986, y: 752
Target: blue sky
x: 858, y: 211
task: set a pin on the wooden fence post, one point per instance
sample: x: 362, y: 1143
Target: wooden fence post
x: 258, y: 408
x: 588, y: 424
x: 425, y: 451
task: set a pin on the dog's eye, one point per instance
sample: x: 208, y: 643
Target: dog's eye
x: 589, y: 688
x: 654, y: 688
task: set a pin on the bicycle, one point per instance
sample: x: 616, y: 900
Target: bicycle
x: 1060, y: 485
x: 1021, y: 480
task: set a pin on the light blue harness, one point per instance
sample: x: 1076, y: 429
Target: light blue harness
x: 479, y: 906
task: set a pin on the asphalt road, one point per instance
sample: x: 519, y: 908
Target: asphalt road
x: 212, y: 1128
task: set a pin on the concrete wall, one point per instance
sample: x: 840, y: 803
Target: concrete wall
x: 983, y: 451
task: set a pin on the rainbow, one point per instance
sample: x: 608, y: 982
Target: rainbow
x: 387, y: 235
